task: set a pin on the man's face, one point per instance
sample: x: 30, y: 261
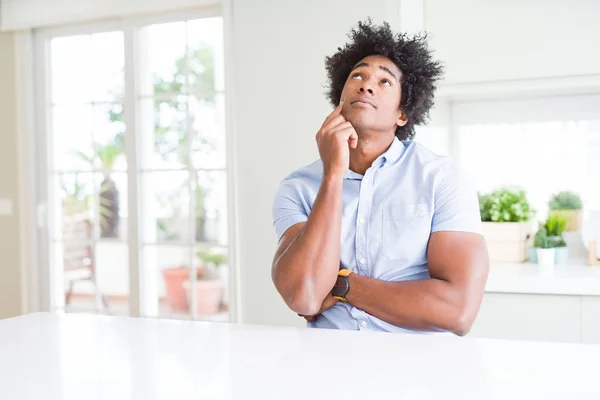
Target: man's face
x: 372, y: 95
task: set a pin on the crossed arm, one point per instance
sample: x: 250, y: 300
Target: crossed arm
x: 307, y: 260
x: 449, y: 300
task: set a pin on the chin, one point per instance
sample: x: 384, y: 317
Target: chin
x: 360, y: 122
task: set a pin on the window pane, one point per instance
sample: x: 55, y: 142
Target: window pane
x: 211, y: 207
x: 212, y: 284
x: 109, y: 137
x: 98, y: 199
x: 73, y: 205
x: 71, y: 63
x: 95, y: 276
x: 107, y: 66
x: 112, y: 208
x: 166, y: 271
x: 87, y: 68
x: 166, y: 207
x: 168, y: 290
x: 72, y: 138
x: 205, y: 41
x: 164, y: 56
x: 541, y: 157
x: 164, y: 133
x: 208, y: 126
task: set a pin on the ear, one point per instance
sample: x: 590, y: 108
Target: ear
x: 402, y: 119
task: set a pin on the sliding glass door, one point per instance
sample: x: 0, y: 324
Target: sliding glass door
x: 134, y: 170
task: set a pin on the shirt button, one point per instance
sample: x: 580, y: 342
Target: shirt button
x: 366, y: 180
x: 363, y: 324
x: 361, y: 221
x: 362, y: 260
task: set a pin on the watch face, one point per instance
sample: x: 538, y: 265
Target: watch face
x: 341, y: 287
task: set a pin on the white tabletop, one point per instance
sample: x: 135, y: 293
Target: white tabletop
x: 51, y: 357
x: 576, y: 278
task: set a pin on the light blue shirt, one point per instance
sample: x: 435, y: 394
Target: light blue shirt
x: 387, y: 217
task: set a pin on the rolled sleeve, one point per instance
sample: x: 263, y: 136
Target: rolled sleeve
x: 456, y: 205
x: 288, y: 208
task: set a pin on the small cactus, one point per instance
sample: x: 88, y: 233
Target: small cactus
x: 541, y: 239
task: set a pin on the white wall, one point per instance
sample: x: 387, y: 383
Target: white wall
x: 280, y: 47
x: 486, y: 40
x: 279, y: 102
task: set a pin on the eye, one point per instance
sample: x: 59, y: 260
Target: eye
x: 386, y: 82
x: 357, y: 76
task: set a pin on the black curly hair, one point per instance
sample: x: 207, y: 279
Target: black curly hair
x: 420, y: 71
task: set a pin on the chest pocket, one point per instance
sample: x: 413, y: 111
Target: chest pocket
x: 405, y: 230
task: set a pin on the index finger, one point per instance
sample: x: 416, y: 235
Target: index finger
x: 334, y: 113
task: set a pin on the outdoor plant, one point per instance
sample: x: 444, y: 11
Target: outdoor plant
x: 106, y: 155
x: 211, y: 260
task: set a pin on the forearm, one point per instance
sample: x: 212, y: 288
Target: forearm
x: 428, y: 305
x: 306, y: 271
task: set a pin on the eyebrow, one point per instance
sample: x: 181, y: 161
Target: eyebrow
x: 386, y: 69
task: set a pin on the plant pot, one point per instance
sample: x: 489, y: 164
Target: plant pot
x: 546, y: 257
x: 573, y: 217
x: 532, y: 255
x: 554, y: 240
x: 109, y: 208
x: 208, y: 295
x: 561, y: 255
x: 174, y: 279
x: 508, y: 241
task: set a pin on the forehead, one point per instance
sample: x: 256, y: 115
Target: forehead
x: 381, y: 61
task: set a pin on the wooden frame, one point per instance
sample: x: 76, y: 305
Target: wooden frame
x: 592, y: 257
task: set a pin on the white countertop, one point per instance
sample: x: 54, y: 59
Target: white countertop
x: 51, y: 357
x: 576, y: 278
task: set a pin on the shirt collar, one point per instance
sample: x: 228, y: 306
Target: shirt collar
x: 392, y: 154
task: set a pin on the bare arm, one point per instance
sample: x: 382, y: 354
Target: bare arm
x: 449, y: 300
x: 307, y: 259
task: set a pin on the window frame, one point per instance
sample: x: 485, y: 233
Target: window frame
x: 41, y: 280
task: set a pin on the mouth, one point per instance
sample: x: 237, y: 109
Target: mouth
x: 363, y: 103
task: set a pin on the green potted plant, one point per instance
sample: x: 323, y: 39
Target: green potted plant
x: 544, y: 248
x: 569, y: 205
x: 507, y: 223
x: 555, y: 226
x: 209, y: 283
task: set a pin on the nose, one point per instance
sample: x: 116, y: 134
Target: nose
x: 366, y: 88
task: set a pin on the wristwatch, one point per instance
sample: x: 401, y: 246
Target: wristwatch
x: 342, y: 285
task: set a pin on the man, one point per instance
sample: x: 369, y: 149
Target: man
x: 380, y: 233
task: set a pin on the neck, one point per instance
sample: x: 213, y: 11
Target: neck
x: 369, y: 147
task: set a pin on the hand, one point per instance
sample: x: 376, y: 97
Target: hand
x: 329, y: 302
x: 333, y: 139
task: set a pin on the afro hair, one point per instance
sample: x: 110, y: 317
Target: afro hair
x: 420, y: 71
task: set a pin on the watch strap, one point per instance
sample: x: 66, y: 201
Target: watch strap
x: 343, y: 273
